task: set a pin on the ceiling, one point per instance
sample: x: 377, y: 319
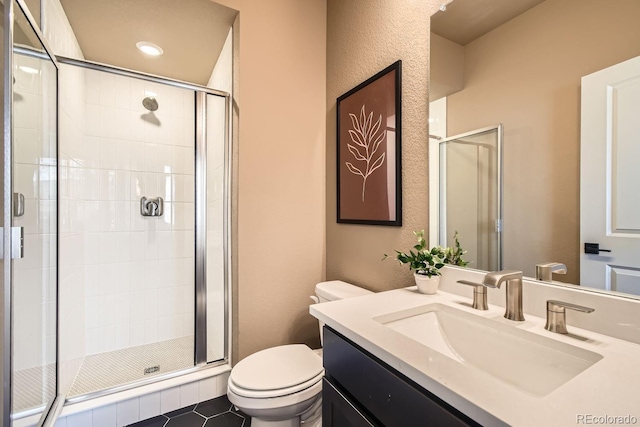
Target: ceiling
x: 191, y: 33
x: 465, y: 20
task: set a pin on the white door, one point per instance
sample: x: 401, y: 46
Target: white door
x: 610, y: 178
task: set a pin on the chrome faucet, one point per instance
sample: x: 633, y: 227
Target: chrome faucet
x: 545, y: 271
x: 513, y: 307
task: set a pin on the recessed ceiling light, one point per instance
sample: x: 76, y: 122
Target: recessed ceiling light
x: 149, y: 48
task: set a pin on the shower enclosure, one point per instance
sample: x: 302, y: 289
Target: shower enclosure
x: 470, y: 195
x: 115, y: 225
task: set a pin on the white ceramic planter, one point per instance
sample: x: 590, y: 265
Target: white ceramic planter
x: 427, y: 285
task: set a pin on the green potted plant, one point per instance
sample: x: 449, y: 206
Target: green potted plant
x: 426, y: 263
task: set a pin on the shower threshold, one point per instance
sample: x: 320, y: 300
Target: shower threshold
x: 104, y: 371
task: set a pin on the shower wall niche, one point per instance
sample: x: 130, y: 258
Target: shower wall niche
x: 127, y: 280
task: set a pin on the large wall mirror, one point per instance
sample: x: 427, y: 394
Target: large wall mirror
x: 563, y: 78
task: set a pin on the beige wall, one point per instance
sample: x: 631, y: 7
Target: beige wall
x: 363, y: 37
x: 280, y: 99
x: 446, y: 75
x: 526, y: 75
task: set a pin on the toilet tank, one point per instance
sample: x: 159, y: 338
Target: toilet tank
x: 337, y: 289
x: 334, y: 290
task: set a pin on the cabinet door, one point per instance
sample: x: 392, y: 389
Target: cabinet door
x: 390, y: 398
x: 337, y: 411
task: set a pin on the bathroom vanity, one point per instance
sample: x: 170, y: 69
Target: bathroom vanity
x: 403, y: 358
x: 361, y: 390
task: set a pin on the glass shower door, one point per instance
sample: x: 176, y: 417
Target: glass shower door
x: 33, y: 221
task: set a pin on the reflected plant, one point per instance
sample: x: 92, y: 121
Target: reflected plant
x: 453, y: 255
x: 365, y: 135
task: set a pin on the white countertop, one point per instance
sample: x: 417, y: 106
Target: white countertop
x: 610, y: 387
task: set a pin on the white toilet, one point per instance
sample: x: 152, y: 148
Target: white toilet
x: 281, y: 386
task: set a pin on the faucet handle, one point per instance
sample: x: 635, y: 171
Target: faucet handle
x: 545, y: 270
x: 556, y: 315
x: 479, y: 294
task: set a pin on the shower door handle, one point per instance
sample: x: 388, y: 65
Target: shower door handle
x: 18, y: 204
x: 17, y: 242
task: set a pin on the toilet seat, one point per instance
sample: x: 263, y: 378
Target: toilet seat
x: 276, y: 371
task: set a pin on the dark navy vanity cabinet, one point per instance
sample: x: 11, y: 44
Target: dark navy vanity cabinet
x: 361, y: 390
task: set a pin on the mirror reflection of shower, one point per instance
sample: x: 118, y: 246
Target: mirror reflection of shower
x: 470, y: 194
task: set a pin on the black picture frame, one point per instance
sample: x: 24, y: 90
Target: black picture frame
x: 369, y: 136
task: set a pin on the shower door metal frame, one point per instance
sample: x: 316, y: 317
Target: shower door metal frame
x: 442, y: 203
x: 53, y: 408
x: 200, y: 160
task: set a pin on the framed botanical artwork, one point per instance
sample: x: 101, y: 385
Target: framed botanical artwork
x: 369, y: 135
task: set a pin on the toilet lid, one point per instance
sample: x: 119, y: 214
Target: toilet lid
x: 277, y: 368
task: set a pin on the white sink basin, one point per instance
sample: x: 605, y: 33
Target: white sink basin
x: 530, y: 362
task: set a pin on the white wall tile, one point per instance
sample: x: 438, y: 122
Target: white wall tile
x: 92, y: 118
x: 107, y: 153
x: 107, y: 122
x: 149, y: 405
x: 123, y: 92
x: 107, y: 309
x: 151, y: 128
x: 92, y: 307
x: 123, y: 239
x: 107, y: 247
x: 164, y: 328
x: 82, y: 419
x: 137, y: 160
x: 207, y: 389
x: 107, y: 338
x: 150, y: 331
x: 169, y: 400
x: 107, y: 90
x: 107, y: 216
x: 123, y: 123
x: 123, y: 185
x: 189, y: 394
x: 136, y: 333
x: 127, y: 412
x: 107, y: 184
x: 122, y: 332
x: 105, y: 416
x: 137, y: 131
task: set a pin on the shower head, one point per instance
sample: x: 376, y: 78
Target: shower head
x: 150, y: 103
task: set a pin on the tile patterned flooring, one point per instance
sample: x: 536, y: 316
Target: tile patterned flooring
x: 105, y: 370
x: 218, y: 412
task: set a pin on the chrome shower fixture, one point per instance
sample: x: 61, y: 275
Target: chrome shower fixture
x: 150, y: 103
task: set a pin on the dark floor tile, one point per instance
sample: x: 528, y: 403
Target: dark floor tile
x: 180, y: 411
x: 228, y: 419
x: 213, y: 407
x: 158, y: 421
x: 190, y: 419
x: 242, y: 414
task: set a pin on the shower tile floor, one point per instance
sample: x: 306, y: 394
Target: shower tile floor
x: 218, y: 412
x: 106, y: 370
x: 33, y: 387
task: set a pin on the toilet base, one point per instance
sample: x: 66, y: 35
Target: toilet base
x: 256, y: 422
x: 312, y: 417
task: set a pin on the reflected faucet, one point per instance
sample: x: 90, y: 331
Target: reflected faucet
x: 513, y: 306
x: 545, y: 271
